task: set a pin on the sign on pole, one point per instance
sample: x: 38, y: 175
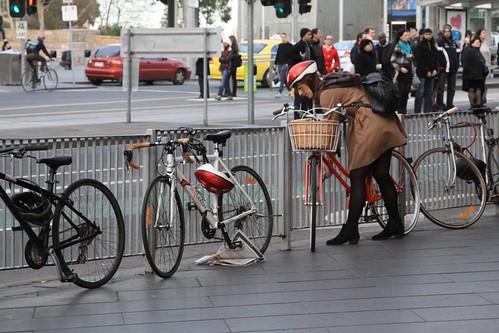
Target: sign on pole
x: 21, y: 29
x: 69, y: 13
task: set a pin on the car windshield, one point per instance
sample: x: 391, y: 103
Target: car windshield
x: 257, y: 48
x: 108, y: 51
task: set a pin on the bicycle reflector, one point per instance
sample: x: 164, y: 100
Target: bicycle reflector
x: 214, y: 181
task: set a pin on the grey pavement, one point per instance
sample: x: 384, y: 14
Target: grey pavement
x: 434, y: 280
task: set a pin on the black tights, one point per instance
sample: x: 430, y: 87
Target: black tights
x: 380, y: 170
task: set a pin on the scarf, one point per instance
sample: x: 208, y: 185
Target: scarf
x: 405, y: 46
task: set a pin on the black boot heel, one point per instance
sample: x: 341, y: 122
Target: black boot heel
x: 393, y: 229
x: 352, y: 237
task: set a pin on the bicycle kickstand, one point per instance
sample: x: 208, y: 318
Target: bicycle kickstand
x: 63, y: 276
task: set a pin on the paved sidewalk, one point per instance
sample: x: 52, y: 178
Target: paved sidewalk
x: 434, y: 280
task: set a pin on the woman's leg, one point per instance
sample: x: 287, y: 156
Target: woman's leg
x: 350, y: 230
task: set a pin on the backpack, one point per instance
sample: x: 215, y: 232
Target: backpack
x: 31, y: 45
x: 382, y: 93
x: 238, y: 60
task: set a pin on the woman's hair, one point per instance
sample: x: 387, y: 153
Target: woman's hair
x: 313, y: 81
x: 479, y: 32
x: 400, y: 33
x: 235, y: 46
x: 474, y: 39
x: 364, y: 42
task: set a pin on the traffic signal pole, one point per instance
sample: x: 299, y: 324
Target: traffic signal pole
x: 251, y: 93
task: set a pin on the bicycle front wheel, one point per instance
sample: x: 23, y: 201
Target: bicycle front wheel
x: 493, y: 170
x: 162, y: 224
x: 408, y: 196
x: 257, y: 227
x: 313, y: 164
x: 89, y: 233
x: 451, y: 204
x: 50, y: 80
x: 27, y: 81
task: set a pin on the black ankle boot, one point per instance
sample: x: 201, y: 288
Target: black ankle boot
x: 393, y: 228
x: 345, y: 235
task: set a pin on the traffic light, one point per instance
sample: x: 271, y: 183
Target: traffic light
x: 304, y: 6
x: 31, y: 9
x: 17, y: 8
x: 282, y: 8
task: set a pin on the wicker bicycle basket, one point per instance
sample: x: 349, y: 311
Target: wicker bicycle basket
x: 310, y: 135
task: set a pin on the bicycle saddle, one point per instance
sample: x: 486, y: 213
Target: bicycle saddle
x: 220, y: 137
x: 56, y: 161
x: 481, y: 111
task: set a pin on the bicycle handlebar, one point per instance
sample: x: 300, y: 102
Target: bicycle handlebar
x: 19, y: 151
x: 340, y: 108
x: 128, y: 153
x: 441, y: 117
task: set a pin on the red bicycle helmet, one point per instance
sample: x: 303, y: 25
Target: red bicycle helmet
x: 298, y: 71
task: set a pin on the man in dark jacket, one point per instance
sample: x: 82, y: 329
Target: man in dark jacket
x: 297, y: 53
x: 425, y: 55
x: 281, y: 63
x: 316, y: 46
x: 448, y: 58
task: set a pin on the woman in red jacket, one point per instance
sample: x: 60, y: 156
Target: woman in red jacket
x: 331, y: 57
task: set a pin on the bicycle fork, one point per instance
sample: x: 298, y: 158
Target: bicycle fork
x: 319, y: 185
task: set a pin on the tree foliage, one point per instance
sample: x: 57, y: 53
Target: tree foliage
x: 211, y: 9
x: 49, y: 14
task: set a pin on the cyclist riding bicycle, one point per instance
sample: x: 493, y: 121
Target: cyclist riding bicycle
x: 370, y: 139
x: 35, y: 55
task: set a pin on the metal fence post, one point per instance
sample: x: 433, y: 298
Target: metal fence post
x: 149, y: 159
x: 286, y: 182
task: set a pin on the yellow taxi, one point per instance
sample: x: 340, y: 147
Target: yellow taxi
x: 264, y: 54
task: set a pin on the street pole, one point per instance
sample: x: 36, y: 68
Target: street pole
x: 251, y: 93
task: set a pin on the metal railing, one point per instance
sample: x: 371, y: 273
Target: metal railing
x: 266, y: 149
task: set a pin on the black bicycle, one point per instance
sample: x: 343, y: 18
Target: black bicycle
x: 33, y: 77
x: 85, y: 222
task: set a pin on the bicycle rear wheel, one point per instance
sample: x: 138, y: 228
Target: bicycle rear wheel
x: 50, y: 80
x: 27, y: 81
x: 408, y: 196
x: 89, y: 233
x: 162, y: 227
x: 257, y: 227
x: 493, y: 170
x: 456, y: 205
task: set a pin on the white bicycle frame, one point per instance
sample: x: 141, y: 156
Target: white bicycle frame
x: 177, y: 176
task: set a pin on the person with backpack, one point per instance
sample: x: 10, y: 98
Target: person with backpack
x: 33, y: 49
x: 370, y: 138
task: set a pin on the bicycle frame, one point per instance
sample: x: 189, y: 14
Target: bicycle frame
x: 342, y: 175
x: 177, y: 177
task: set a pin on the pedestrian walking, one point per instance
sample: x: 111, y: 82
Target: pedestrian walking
x: 281, y: 64
x: 475, y: 71
x: 225, y: 68
x: 402, y: 62
x: 448, y: 59
x: 425, y: 55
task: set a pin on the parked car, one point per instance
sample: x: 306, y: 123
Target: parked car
x: 107, y: 64
x: 264, y: 51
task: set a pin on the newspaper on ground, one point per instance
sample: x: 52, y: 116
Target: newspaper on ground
x: 245, y: 255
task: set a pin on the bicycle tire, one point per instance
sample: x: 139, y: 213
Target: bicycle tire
x: 50, y: 80
x: 493, y: 170
x: 408, y: 196
x: 456, y: 207
x: 93, y: 261
x: 27, y: 81
x: 163, y: 243
x: 257, y: 227
x: 312, y: 205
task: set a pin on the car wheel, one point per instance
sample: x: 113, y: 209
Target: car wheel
x: 96, y: 82
x: 265, y: 79
x: 179, y: 77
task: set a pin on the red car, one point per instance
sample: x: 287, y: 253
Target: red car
x: 107, y: 64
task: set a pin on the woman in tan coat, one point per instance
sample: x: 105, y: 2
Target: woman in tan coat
x: 370, y: 139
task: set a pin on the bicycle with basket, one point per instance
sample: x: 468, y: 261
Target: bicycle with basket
x: 320, y: 137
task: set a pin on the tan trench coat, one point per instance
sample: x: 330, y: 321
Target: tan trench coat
x: 368, y: 134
